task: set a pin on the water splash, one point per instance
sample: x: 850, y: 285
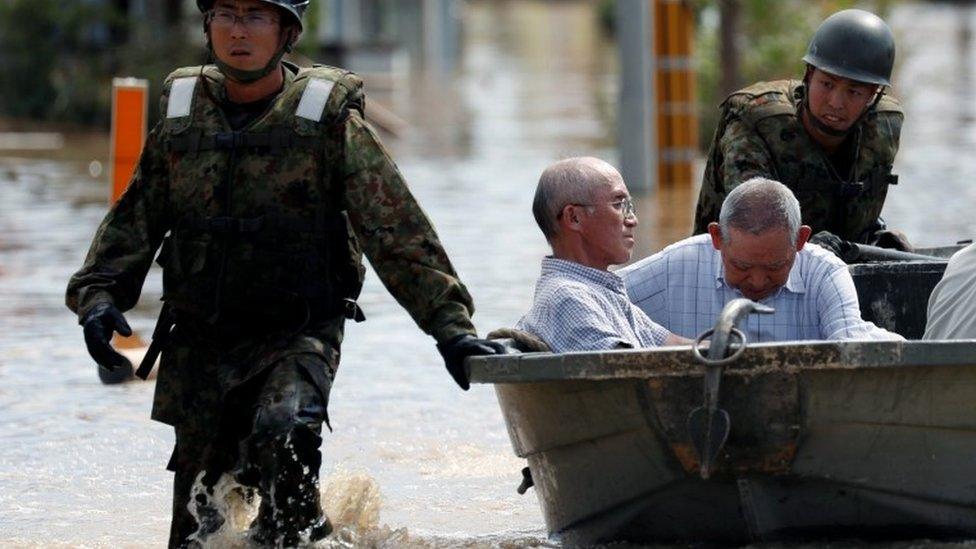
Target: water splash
x: 223, y: 512
x: 352, y: 501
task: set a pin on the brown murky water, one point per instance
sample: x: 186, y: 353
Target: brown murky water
x: 413, y: 461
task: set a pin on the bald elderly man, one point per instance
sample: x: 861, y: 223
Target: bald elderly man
x: 584, y: 210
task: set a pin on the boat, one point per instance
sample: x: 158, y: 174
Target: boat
x: 822, y: 440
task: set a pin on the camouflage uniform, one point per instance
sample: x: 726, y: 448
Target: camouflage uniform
x: 260, y: 232
x: 760, y: 135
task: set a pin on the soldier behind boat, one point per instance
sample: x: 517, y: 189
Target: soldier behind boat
x: 265, y: 181
x: 831, y: 138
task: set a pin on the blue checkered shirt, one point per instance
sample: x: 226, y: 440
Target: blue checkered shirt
x: 683, y: 288
x: 578, y: 308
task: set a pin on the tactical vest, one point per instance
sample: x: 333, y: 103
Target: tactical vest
x: 847, y: 205
x: 258, y: 230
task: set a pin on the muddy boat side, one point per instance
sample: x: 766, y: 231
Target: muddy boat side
x: 853, y: 439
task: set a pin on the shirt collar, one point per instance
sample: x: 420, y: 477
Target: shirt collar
x: 794, y: 283
x: 289, y: 71
x: 606, y: 279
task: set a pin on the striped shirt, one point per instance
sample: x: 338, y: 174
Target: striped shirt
x: 578, y: 308
x: 683, y: 288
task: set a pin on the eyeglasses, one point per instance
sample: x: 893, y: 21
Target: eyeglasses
x: 252, y: 21
x: 624, y: 206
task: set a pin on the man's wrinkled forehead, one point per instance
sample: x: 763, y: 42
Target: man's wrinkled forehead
x: 609, y: 174
x: 605, y: 178
x: 773, y: 242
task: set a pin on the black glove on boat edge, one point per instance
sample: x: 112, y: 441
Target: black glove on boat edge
x: 461, y: 347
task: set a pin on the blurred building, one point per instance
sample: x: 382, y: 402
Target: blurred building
x: 365, y: 35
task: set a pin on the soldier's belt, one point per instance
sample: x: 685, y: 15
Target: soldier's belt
x: 251, y: 323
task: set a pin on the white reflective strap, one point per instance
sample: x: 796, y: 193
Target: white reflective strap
x: 314, y: 98
x: 180, y: 97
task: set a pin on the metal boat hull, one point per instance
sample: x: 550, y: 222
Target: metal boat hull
x: 764, y: 508
x: 828, y: 440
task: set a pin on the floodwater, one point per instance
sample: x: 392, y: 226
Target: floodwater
x: 413, y: 460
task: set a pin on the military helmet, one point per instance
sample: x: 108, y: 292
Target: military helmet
x: 855, y: 44
x: 294, y: 8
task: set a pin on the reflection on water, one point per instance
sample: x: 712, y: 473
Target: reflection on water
x: 413, y: 461
x: 934, y: 199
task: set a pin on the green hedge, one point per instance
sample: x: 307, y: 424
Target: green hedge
x: 58, y: 58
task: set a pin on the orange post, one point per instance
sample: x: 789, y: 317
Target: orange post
x: 129, y: 103
x: 677, y: 120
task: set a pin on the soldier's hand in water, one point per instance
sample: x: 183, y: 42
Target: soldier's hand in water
x: 99, y: 324
x: 832, y: 243
x: 461, y: 347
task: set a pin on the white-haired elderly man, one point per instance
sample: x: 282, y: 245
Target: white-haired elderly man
x: 757, y: 250
x: 584, y: 210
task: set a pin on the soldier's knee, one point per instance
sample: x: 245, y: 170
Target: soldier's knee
x: 279, y: 422
x: 291, y: 423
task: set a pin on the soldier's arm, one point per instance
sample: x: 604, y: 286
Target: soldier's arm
x: 398, y: 238
x: 744, y: 155
x: 126, y: 241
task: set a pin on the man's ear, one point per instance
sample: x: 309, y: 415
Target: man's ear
x: 569, y: 218
x: 716, y: 233
x: 802, y: 236
x: 288, y: 37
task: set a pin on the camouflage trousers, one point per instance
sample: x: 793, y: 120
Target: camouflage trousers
x: 268, y: 440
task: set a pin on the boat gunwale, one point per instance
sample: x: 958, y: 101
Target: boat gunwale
x: 757, y: 359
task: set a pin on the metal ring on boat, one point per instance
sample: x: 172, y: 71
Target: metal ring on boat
x: 696, y: 350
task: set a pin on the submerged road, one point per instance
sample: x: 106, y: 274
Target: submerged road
x: 413, y: 461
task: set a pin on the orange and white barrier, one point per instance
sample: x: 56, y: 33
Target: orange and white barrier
x: 129, y: 127
x: 677, y: 114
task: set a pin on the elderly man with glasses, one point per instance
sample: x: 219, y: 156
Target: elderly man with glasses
x: 758, y: 250
x: 585, y: 212
x: 263, y: 186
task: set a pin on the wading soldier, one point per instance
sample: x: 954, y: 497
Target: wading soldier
x: 261, y: 184
x: 831, y: 138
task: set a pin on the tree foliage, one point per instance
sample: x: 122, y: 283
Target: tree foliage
x: 33, y: 34
x: 58, y: 58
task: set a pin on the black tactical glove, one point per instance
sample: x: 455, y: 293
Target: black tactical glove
x: 99, y: 323
x: 461, y: 347
x: 832, y: 243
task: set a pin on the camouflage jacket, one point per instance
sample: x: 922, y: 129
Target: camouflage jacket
x: 267, y: 223
x: 760, y: 134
